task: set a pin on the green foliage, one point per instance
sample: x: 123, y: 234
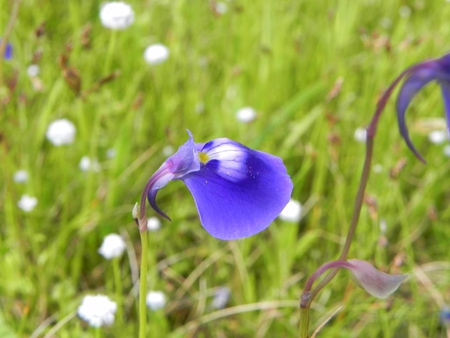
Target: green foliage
x: 285, y: 59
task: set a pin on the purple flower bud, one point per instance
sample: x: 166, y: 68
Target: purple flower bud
x: 375, y: 282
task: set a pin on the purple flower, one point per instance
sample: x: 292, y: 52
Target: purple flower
x: 416, y: 77
x: 8, y: 51
x: 238, y: 191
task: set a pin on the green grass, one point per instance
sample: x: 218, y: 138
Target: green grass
x: 280, y: 57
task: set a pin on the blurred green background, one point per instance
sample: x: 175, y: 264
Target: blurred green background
x: 313, y: 71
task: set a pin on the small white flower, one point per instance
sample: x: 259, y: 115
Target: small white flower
x: 221, y: 297
x: 33, y: 70
x: 438, y: 136
x: 153, y: 224
x: 360, y: 135
x: 446, y: 149
x: 404, y: 11
x: 168, y: 150
x: 111, y: 153
x: 20, y: 176
x: 199, y: 107
x: 292, y: 211
x: 156, y: 300
x: 97, y: 310
x: 87, y: 164
x: 156, y: 54
x: 116, y: 15
x: 386, y: 22
x: 113, y: 246
x: 27, y: 203
x: 221, y: 7
x: 61, y: 132
x: 377, y: 168
x: 246, y: 114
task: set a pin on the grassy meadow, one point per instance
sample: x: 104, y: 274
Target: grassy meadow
x: 313, y: 71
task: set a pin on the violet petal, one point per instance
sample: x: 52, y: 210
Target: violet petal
x: 412, y: 85
x: 238, y: 191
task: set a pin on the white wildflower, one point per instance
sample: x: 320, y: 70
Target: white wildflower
x: 153, y: 224
x: 246, y: 114
x: 116, y: 15
x: 438, y: 136
x: 377, y: 168
x: 113, y: 246
x: 20, y: 176
x: 360, y: 135
x: 156, y: 54
x: 292, y: 211
x: 168, y: 150
x: 87, y: 164
x: 111, y: 153
x: 221, y: 297
x: 27, y: 203
x: 220, y: 7
x: 61, y: 132
x: 33, y: 70
x: 404, y: 11
x: 156, y: 300
x: 97, y: 310
x: 446, y: 149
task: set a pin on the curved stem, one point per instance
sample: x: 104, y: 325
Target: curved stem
x: 310, y: 293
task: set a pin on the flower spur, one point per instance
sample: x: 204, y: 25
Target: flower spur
x: 238, y: 191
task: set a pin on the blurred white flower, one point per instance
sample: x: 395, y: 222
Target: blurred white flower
x: 153, y: 224
x: 87, y: 164
x: 33, y: 70
x: 27, y: 203
x: 446, y: 149
x: 246, y: 114
x: 113, y: 246
x: 20, y: 176
x: 61, y: 132
x: 360, y: 135
x: 438, y: 136
x: 156, y: 300
x: 199, y: 107
x: 168, y: 150
x: 116, y: 15
x: 377, y: 168
x: 292, y: 211
x: 97, y: 310
x: 111, y: 153
x: 156, y: 54
x: 385, y: 22
x: 221, y: 297
x: 220, y: 7
x: 404, y: 11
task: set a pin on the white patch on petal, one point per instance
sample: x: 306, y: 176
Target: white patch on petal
x: 231, y: 160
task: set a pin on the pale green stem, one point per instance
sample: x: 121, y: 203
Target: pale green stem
x: 118, y: 287
x: 143, y: 286
x: 110, y: 53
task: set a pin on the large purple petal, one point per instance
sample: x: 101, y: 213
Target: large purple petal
x: 239, y: 191
x: 445, y: 88
x: 412, y: 85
